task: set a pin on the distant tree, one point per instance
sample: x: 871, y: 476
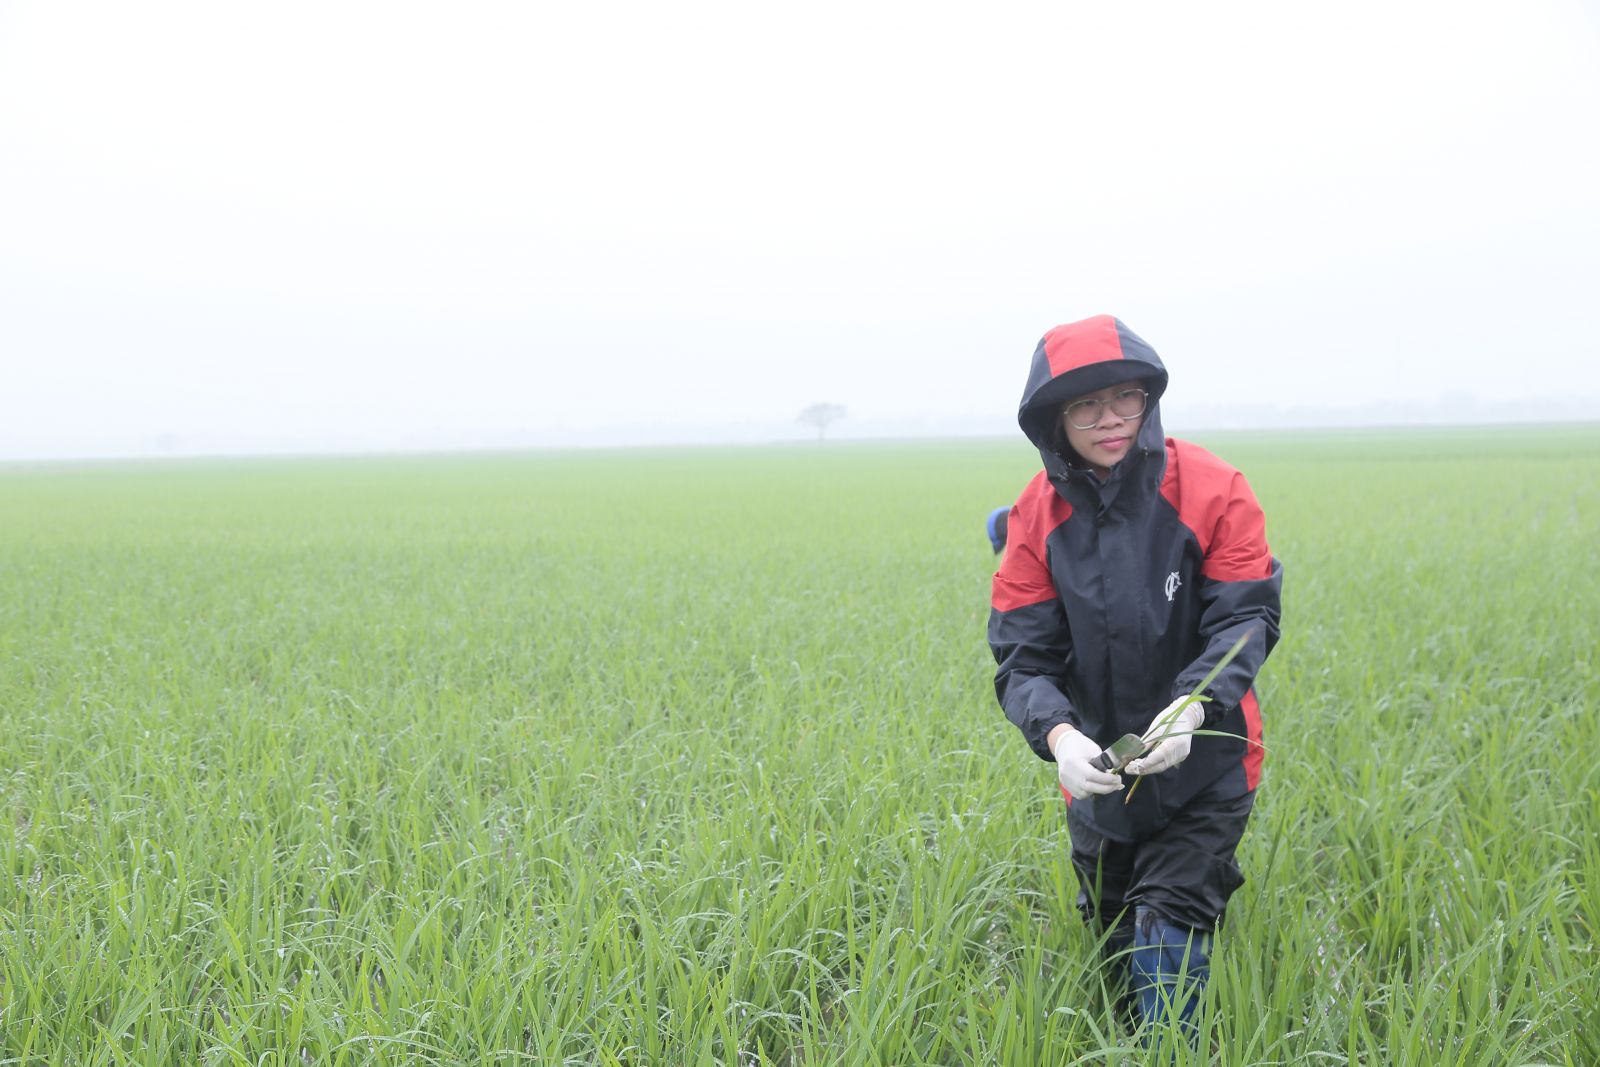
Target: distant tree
x: 821, y: 416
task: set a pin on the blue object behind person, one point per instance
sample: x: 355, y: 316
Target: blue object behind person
x: 996, y: 528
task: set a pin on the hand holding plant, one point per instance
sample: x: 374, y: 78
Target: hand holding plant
x: 1168, y: 738
x: 1178, y: 722
x: 1074, y: 753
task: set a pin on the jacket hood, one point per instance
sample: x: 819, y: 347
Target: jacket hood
x: 1080, y: 357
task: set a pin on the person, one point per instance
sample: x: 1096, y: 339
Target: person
x: 1134, y: 564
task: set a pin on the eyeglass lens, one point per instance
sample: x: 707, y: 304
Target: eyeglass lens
x: 1085, y: 414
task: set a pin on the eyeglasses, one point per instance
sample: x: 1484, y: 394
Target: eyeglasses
x: 1086, y: 414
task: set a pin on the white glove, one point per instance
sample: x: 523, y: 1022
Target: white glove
x: 1170, y: 736
x: 1073, y: 752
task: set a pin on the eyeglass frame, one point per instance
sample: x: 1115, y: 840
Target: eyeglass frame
x: 1102, y: 405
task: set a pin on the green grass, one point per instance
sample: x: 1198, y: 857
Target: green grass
x: 683, y: 757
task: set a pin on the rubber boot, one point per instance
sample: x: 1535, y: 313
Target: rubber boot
x: 1169, y: 966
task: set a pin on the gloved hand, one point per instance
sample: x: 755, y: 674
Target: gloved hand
x: 1073, y: 751
x: 1170, y: 735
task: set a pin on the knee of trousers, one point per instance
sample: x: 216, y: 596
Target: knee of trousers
x: 1168, y: 967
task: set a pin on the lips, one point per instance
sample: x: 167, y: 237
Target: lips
x: 1112, y: 443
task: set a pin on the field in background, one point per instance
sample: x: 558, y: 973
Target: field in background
x: 681, y: 757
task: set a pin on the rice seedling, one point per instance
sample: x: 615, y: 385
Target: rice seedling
x: 692, y: 757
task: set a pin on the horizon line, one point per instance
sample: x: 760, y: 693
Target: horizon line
x: 1554, y: 424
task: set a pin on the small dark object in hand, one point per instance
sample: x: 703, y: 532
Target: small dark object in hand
x: 1118, y: 754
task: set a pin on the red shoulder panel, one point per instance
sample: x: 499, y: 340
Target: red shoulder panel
x: 1024, y: 574
x: 1215, y: 502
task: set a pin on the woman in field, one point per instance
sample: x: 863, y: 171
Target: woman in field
x: 1133, y: 564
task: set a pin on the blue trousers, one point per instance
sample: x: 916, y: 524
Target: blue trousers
x: 1168, y: 967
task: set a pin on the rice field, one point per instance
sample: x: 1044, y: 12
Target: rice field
x: 692, y: 757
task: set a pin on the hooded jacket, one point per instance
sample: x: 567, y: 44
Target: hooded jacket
x: 1115, y: 597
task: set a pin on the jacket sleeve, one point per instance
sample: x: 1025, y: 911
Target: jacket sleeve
x: 1240, y: 584
x: 1031, y: 644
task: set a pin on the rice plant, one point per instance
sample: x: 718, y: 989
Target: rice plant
x: 692, y: 757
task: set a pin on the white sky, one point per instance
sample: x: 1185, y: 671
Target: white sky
x: 228, y: 227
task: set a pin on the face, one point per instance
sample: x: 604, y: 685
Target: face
x: 1111, y: 438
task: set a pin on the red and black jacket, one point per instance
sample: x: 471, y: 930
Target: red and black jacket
x: 1115, y: 597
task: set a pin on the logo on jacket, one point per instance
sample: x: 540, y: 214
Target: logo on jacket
x: 1173, y: 581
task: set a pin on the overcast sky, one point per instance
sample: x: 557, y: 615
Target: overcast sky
x: 230, y: 227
